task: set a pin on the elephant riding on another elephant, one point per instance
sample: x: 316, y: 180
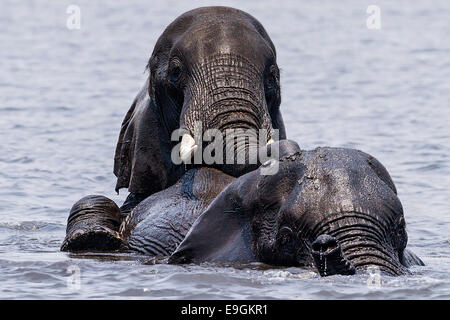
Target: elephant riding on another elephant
x: 333, y: 210
x: 215, y: 66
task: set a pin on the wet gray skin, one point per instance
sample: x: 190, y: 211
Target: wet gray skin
x: 157, y: 224
x: 333, y: 210
x: 155, y: 227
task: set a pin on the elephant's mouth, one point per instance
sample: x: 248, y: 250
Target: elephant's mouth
x: 189, y: 146
x: 238, y: 152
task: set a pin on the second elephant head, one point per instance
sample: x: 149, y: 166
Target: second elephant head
x: 214, y: 65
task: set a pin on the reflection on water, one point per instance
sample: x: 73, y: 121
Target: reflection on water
x: 63, y: 95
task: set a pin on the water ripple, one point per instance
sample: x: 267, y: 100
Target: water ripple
x: 63, y: 95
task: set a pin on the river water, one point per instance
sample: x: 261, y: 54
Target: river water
x: 64, y: 93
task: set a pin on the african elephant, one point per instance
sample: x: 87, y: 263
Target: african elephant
x: 212, y: 65
x: 334, y: 210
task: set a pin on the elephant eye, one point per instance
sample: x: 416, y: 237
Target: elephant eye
x: 273, y: 77
x: 286, y: 235
x: 175, y: 74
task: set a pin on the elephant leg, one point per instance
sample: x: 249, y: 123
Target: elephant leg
x: 93, y: 224
x: 130, y: 203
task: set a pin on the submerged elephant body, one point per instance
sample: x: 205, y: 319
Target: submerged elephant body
x: 155, y: 226
x: 158, y: 224
x: 330, y: 209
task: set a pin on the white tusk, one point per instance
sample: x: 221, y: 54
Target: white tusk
x: 270, y: 141
x: 187, y: 148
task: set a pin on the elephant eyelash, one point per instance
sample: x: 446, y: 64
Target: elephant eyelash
x: 175, y: 74
x: 274, y: 71
x: 270, y: 206
x: 271, y: 88
x: 272, y: 83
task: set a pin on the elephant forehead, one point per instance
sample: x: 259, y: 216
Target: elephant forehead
x: 279, y: 186
x: 338, y: 180
x: 211, y: 30
x: 210, y: 38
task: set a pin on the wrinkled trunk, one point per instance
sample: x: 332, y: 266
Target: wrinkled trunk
x: 363, y: 254
x: 356, y: 241
x: 227, y: 94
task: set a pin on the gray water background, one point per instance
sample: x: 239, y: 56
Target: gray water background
x: 64, y: 93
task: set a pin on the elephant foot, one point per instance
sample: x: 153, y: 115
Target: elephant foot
x: 93, y: 224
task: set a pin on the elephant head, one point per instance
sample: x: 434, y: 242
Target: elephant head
x: 215, y: 66
x: 334, y: 210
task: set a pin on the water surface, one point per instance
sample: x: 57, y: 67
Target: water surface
x: 64, y: 93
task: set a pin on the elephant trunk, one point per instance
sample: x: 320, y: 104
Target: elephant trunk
x: 346, y: 248
x: 228, y: 96
x: 241, y: 151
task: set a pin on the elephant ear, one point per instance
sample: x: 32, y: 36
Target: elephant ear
x: 138, y: 161
x: 222, y: 233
